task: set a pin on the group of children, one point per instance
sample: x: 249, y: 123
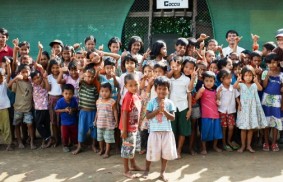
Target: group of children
x: 155, y: 100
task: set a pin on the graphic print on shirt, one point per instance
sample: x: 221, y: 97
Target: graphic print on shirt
x: 134, y: 116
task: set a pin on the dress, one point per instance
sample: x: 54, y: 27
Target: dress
x: 251, y: 115
x: 271, y: 101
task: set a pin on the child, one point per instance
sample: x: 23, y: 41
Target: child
x: 106, y: 119
x: 213, y: 67
x: 5, y: 131
x: 5, y: 50
x: 210, y: 122
x: 158, y: 53
x: 250, y: 115
x: 56, y: 46
x: 90, y: 43
x: 40, y: 97
x: 67, y: 54
x: 67, y: 106
x: 271, y: 100
x: 53, y: 96
x: 180, y: 85
x: 131, y: 109
x: 21, y: 85
x: 88, y: 95
x: 161, y: 141
x: 227, y: 97
x: 114, y: 45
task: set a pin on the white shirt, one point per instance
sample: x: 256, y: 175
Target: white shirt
x: 178, y: 94
x: 227, y: 50
x: 5, y: 101
x: 55, y: 87
x: 227, y: 99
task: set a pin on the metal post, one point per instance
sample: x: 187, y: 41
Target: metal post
x: 150, y: 22
x: 194, y: 29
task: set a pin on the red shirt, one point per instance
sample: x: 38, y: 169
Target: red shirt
x: 6, y: 51
x: 131, y: 104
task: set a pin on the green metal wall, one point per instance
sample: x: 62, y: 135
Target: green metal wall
x: 70, y: 21
x: 261, y: 17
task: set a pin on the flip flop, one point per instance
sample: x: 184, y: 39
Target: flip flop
x: 227, y: 148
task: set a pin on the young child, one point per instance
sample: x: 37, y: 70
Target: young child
x: 21, y: 85
x: 129, y: 122
x: 227, y: 96
x: 90, y: 43
x: 106, y: 119
x: 53, y: 96
x: 40, y: 97
x: 67, y: 54
x: 67, y: 106
x: 180, y: 85
x: 161, y: 141
x: 271, y: 100
x: 88, y: 96
x: 210, y: 122
x: 158, y: 53
x: 56, y: 47
x: 250, y: 115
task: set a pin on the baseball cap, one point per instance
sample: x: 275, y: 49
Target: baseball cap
x: 279, y: 33
x: 56, y: 41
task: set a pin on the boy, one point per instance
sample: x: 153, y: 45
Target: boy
x: 67, y: 106
x: 22, y: 87
x: 5, y: 50
x: 161, y: 141
x: 131, y: 108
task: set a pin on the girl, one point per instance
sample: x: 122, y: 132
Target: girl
x: 53, y: 95
x: 106, y: 119
x: 147, y: 74
x: 250, y: 114
x: 213, y: 67
x: 210, y: 122
x: 114, y: 45
x: 90, y: 43
x: 56, y: 47
x: 157, y: 54
x: 67, y: 54
x: 43, y: 57
x: 227, y: 96
x: 271, y: 100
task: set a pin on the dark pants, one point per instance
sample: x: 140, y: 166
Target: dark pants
x: 69, y: 133
x: 144, y: 137
x: 42, y: 121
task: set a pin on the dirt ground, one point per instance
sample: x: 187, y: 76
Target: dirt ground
x: 52, y: 165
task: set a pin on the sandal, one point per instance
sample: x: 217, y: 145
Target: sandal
x: 265, y: 147
x: 227, y: 148
x: 275, y: 147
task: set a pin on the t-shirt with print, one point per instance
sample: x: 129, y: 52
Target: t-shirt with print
x: 66, y: 118
x: 23, y: 91
x: 131, y: 104
x: 5, y: 102
x: 40, y: 97
x: 160, y: 122
x: 75, y: 83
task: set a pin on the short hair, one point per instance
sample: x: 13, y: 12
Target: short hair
x: 4, y: 31
x: 162, y: 81
x: 129, y: 57
x: 255, y: 54
x: 182, y: 41
x: 91, y: 37
x: 272, y: 56
x: 109, y: 61
x: 24, y: 43
x: 134, y: 39
x: 90, y: 68
x: 129, y: 77
x: 223, y: 73
x: 246, y: 69
x: 248, y: 52
x: 269, y: 46
x: 73, y: 65
x: 22, y: 67
x: 222, y: 63
x: 236, y: 64
x: 68, y: 87
x: 35, y: 73
x: 161, y: 66
x: 192, y: 41
x: 177, y: 59
x: 212, y: 40
x: 114, y: 40
x: 107, y: 85
x: 155, y: 49
x: 231, y: 32
x: 46, y: 54
x: 208, y: 74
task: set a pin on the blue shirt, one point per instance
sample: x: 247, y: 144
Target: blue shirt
x: 160, y: 122
x: 66, y: 118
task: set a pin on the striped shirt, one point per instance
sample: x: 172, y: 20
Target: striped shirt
x: 88, y: 96
x: 105, y: 115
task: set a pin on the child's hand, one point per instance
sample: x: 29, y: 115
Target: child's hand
x: 161, y: 106
x: 101, y: 47
x: 146, y: 54
x: 68, y: 110
x: 40, y: 46
x: 258, y: 70
x: 203, y: 36
x: 188, y: 115
x: 124, y: 134
x: 16, y: 42
x: 219, y: 48
x: 255, y: 79
x: 239, y: 107
x: 77, y: 45
x: 195, y: 73
x: 63, y: 69
x: 239, y: 78
x: 219, y: 92
x: 151, y: 81
x: 201, y: 45
x: 19, y: 77
x: 113, y: 74
x: 255, y: 37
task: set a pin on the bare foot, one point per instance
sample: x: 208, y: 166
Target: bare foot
x: 145, y: 174
x: 9, y: 148
x: 55, y: 144
x: 179, y: 156
x: 78, y: 150
x: 162, y: 177
x: 142, y: 152
x: 241, y: 150
x: 94, y: 149
x: 21, y: 146
x: 136, y: 168
x: 203, y: 152
x: 105, y: 156
x: 192, y: 152
x: 130, y: 175
x: 217, y: 149
x: 101, y: 152
x: 250, y: 150
x: 32, y: 146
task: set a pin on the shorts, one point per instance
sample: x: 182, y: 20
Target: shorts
x: 86, y: 119
x: 210, y: 129
x: 106, y: 135
x: 161, y: 144
x: 227, y: 119
x: 54, y: 117
x: 25, y: 117
x: 5, y: 130
x: 129, y: 146
x: 195, y: 112
x: 181, y: 126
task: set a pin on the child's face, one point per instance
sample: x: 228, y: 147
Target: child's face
x: 229, y: 65
x: 159, y: 72
x: 202, y: 68
x: 114, y: 48
x: 88, y: 77
x: 163, y: 51
x: 37, y: 79
x: 105, y: 93
x: 255, y: 61
x: 148, y: 71
x: 57, y: 49
x: 24, y: 50
x: 210, y: 56
x: 3, y: 39
x: 94, y: 57
x: 74, y: 73
x: 227, y: 80
x: 25, y: 73
x: 237, y: 70
x: 191, y: 49
x: 280, y: 42
x: 213, y: 67
x: 67, y: 94
x: 246, y: 59
x: 66, y: 54
x: 176, y: 66
x: 180, y: 49
x: 90, y: 45
x: 162, y: 91
x: 135, y: 48
x: 80, y: 57
x: 212, y: 46
x: 26, y: 59
x: 208, y: 82
x: 234, y: 57
x: 273, y: 66
x: 43, y: 60
x: 130, y: 66
x: 55, y: 69
x: 248, y: 77
x: 264, y: 51
x: 132, y: 86
x: 188, y: 69
x: 109, y: 69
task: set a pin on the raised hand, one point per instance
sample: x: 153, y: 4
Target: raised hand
x: 255, y: 37
x: 203, y: 36
x: 77, y: 45
x: 239, y: 78
x: 195, y: 73
x: 40, y: 46
x: 19, y: 76
x: 101, y: 47
x: 16, y: 42
x: 255, y: 79
x: 146, y: 54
